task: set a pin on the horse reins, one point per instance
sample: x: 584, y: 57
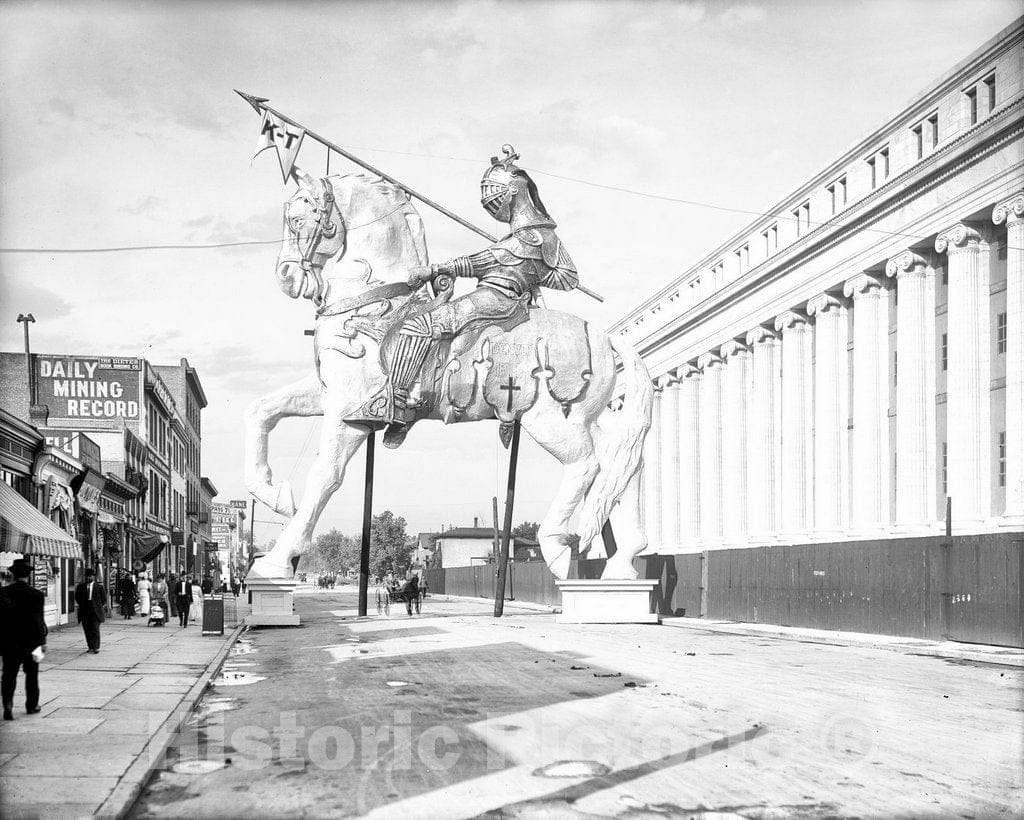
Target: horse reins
x: 325, y: 227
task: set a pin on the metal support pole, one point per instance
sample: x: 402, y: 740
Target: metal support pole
x: 510, y: 497
x: 26, y: 319
x: 364, y: 548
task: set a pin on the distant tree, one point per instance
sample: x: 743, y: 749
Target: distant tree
x: 390, y: 548
x: 527, y: 530
x: 332, y: 552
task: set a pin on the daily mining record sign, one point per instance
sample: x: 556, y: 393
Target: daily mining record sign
x: 77, y: 387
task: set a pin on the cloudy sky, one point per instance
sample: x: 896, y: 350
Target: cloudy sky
x: 119, y: 127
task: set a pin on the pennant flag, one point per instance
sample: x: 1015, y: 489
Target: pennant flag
x: 287, y: 139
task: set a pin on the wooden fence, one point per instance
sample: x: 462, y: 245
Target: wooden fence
x: 967, y: 588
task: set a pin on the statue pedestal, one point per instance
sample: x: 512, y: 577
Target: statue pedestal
x: 273, y: 601
x: 607, y: 602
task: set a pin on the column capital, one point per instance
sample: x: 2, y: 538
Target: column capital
x: 706, y: 360
x: 957, y: 238
x: 733, y: 348
x: 760, y: 335
x: 788, y: 319
x: 667, y: 380
x: 823, y: 303
x: 686, y: 371
x: 863, y: 284
x: 1012, y: 210
x: 906, y: 262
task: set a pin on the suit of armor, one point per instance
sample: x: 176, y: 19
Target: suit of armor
x: 510, y: 272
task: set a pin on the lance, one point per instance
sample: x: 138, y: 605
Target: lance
x: 259, y: 105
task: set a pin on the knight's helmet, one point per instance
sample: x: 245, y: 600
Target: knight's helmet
x: 503, y: 182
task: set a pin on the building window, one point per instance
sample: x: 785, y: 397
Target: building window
x: 1001, y: 333
x: 884, y: 155
x: 933, y: 122
x: 874, y: 173
x: 972, y: 104
x: 771, y: 240
x: 990, y: 92
x: 918, y: 131
x: 945, y: 351
x: 1002, y: 459
x: 802, y: 215
x: 945, y: 473
x: 837, y: 191
x: 743, y: 259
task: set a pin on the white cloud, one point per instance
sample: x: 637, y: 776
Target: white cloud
x: 742, y: 15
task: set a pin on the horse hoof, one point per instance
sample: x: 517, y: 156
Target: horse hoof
x: 265, y: 568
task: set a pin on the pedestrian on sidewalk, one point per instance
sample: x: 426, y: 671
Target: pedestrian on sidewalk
x: 183, y: 599
x: 160, y: 593
x: 197, y: 595
x: 90, y: 603
x: 22, y: 638
x: 126, y: 595
x: 144, y: 586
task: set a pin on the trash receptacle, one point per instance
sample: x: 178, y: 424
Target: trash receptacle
x: 213, y: 614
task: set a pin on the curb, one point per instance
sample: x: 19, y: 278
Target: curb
x: 550, y: 609
x: 131, y: 783
x: 1003, y: 655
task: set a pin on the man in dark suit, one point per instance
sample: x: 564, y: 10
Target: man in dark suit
x: 22, y: 630
x: 90, y: 601
x: 183, y: 598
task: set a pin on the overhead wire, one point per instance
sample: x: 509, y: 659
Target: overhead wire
x: 576, y: 180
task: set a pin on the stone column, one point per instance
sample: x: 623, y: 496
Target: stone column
x: 831, y: 414
x: 764, y: 438
x: 967, y: 380
x: 670, y: 462
x: 689, y: 458
x: 916, y: 445
x: 1012, y: 213
x: 795, y: 486
x: 735, y: 419
x: 711, y: 367
x: 869, y: 456
x: 652, y: 476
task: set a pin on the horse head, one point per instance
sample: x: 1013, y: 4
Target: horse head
x: 314, y: 232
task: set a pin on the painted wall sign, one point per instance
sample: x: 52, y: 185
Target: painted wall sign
x: 94, y: 388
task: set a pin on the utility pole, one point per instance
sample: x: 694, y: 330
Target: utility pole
x: 26, y: 319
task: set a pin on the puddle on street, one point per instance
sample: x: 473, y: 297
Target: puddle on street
x: 242, y: 647
x: 572, y: 768
x: 229, y: 678
x: 198, y: 766
x: 211, y: 706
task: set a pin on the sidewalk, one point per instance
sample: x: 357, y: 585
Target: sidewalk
x: 88, y: 751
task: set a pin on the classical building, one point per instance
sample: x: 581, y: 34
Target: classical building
x: 849, y: 364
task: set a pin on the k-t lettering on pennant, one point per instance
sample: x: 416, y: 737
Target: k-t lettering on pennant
x: 285, y: 138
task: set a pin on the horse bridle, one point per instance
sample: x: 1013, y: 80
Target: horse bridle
x: 325, y: 228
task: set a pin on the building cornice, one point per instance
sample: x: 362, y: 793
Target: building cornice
x: 1004, y: 124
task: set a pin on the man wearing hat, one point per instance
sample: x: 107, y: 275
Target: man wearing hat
x: 22, y: 631
x: 90, y: 601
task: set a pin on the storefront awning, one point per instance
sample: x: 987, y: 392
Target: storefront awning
x: 26, y: 530
x: 148, y: 545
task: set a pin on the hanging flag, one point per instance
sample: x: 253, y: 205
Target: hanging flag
x: 287, y: 139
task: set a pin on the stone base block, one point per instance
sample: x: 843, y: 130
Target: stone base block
x: 273, y: 601
x: 607, y: 602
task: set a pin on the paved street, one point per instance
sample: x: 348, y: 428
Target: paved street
x: 455, y: 714
x: 101, y: 715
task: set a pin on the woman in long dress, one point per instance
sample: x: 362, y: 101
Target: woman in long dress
x: 126, y: 592
x: 143, y: 586
x: 160, y: 594
x: 197, y: 600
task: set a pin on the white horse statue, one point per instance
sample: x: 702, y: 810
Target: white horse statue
x: 349, y: 244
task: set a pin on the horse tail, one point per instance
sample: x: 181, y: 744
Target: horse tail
x: 618, y: 444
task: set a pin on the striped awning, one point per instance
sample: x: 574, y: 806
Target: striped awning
x: 26, y: 530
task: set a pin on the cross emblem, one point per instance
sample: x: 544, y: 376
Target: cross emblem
x: 511, y: 386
